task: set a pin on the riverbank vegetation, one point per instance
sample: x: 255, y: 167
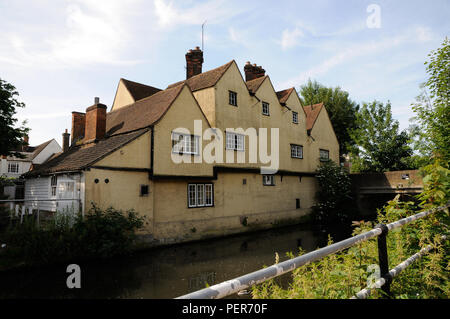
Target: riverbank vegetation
x: 343, y: 274
x: 99, y: 234
x: 334, y: 202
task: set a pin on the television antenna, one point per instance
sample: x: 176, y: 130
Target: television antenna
x: 203, y: 25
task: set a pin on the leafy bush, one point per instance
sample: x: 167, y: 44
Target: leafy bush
x: 343, y: 274
x: 101, y: 233
x: 334, y: 201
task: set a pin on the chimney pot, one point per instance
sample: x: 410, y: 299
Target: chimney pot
x: 96, y: 100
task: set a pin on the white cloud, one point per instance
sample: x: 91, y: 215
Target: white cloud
x: 290, y: 39
x: 419, y: 34
x: 93, y: 32
x: 215, y: 11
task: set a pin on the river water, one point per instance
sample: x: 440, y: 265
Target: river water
x: 169, y: 272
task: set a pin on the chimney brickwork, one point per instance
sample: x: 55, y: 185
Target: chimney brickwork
x: 252, y: 71
x: 194, y: 61
x: 66, y: 138
x: 95, y: 122
x: 78, y: 126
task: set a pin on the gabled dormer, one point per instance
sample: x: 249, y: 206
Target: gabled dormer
x: 129, y: 92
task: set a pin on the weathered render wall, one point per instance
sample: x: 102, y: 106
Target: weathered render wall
x: 123, y: 97
x: 323, y: 137
x: 182, y: 114
x: 235, y: 204
x: 121, y: 192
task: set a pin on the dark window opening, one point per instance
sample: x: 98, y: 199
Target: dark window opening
x: 144, y: 190
x: 232, y: 98
x: 297, y: 203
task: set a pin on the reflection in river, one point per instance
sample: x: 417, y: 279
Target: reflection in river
x: 168, y: 272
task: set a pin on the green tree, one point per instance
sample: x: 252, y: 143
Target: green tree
x: 379, y: 145
x: 10, y: 136
x: 341, y: 109
x: 432, y: 107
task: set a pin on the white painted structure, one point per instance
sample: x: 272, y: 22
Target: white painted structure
x: 56, y: 193
x: 13, y: 167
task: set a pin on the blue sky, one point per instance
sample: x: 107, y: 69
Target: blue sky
x: 61, y: 54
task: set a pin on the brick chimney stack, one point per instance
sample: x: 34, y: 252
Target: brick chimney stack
x: 95, y: 127
x: 78, y: 126
x: 25, y: 144
x: 252, y: 71
x: 194, y: 61
x: 66, y: 137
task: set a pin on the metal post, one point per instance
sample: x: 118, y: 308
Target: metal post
x: 383, y: 260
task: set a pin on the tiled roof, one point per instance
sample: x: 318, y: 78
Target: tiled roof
x: 30, y: 152
x: 142, y: 113
x: 312, y: 112
x: 284, y: 95
x: 139, y: 91
x: 254, y: 84
x: 79, y: 157
x: 40, y: 148
x: 204, y: 80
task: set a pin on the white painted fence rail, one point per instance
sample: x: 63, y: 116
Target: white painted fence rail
x: 235, y: 285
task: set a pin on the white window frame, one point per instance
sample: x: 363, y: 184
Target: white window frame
x: 185, y: 145
x: 296, y: 151
x: 200, y: 195
x: 322, y: 158
x: 13, y: 167
x: 265, y: 108
x: 294, y: 117
x: 268, y: 180
x: 235, y: 141
x: 53, y: 185
x: 232, y: 98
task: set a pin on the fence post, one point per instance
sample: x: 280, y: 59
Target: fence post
x: 383, y: 260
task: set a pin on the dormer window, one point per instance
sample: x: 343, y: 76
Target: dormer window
x: 265, y: 108
x: 295, y: 117
x: 232, y: 98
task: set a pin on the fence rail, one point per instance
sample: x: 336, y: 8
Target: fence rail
x: 235, y: 285
x: 19, y: 206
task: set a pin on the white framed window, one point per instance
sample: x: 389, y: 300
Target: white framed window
x: 235, y: 141
x: 53, y: 184
x: 200, y: 195
x: 268, y: 180
x: 295, y: 117
x: 13, y: 167
x: 232, y: 98
x: 265, y: 108
x: 185, y: 143
x: 324, y: 155
x: 296, y: 151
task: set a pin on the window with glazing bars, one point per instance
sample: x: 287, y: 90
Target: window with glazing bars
x: 295, y: 117
x: 235, y: 141
x: 200, y: 195
x: 265, y: 108
x: 232, y: 98
x: 185, y: 143
x: 13, y: 167
x: 296, y: 151
x: 324, y: 155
